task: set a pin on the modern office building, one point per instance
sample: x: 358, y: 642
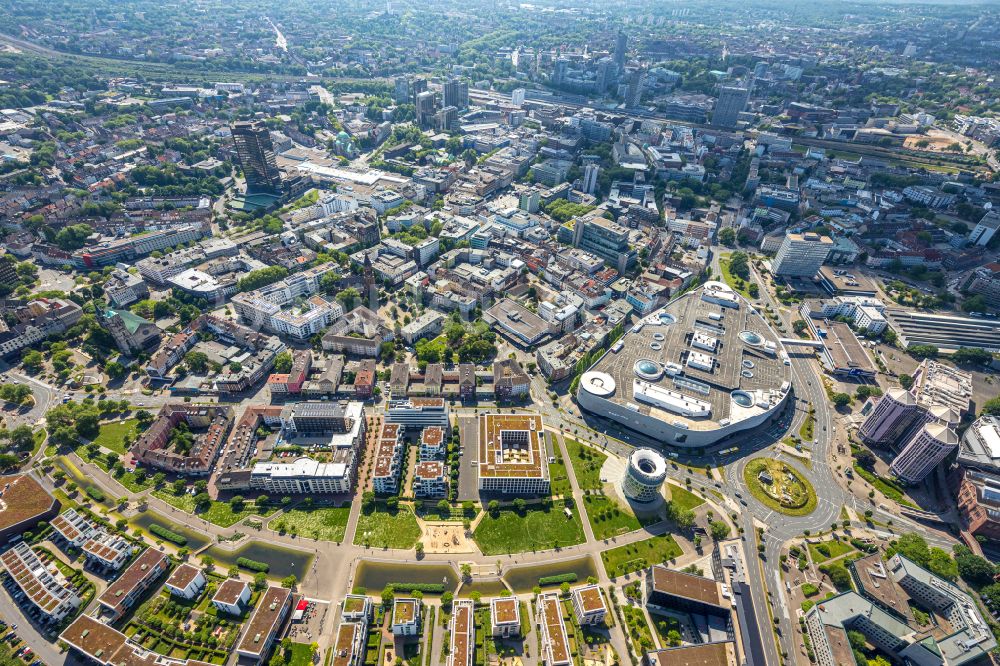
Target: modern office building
x: 513, y: 458
x: 306, y: 476
x: 644, y: 475
x: 462, y: 628
x: 321, y: 417
x: 265, y: 624
x: 590, y: 174
x: 636, y: 84
x: 588, y: 604
x: 405, y: 617
x: 801, y: 255
x: 23, y: 504
x: 388, y: 459
x: 891, y: 416
x: 456, y: 93
x: 555, y: 641
x: 426, y: 108
x: 419, y: 413
x: 986, y: 228
x: 352, y: 632
x: 256, y: 155
x: 186, y: 581
x: 920, y: 423
x: 621, y: 50
x: 979, y: 478
x: 731, y: 103
x: 505, y: 617
x: 928, y: 447
x: 232, y: 597
x: 881, y: 612
x: 129, y: 587
x: 601, y: 237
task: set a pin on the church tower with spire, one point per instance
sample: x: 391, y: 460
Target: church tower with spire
x: 369, y: 277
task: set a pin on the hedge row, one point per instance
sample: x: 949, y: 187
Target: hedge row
x: 95, y: 493
x: 253, y: 565
x: 558, y: 580
x: 428, y: 588
x: 171, y: 536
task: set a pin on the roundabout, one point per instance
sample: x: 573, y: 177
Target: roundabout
x: 779, y: 486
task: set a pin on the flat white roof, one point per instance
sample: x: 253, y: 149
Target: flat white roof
x: 672, y: 401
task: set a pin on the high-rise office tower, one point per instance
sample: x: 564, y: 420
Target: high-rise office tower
x: 636, y: 82
x: 425, y: 108
x: 605, y: 74
x: 801, y: 255
x: 517, y: 97
x: 891, y: 416
x: 402, y: 92
x: 446, y: 120
x: 928, y: 447
x: 456, y: 93
x: 731, y: 103
x: 417, y: 86
x: 590, y: 174
x: 621, y: 45
x: 256, y: 155
x: 559, y: 71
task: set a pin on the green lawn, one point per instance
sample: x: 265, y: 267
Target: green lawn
x: 380, y: 528
x: 834, y: 548
x: 538, y: 529
x: 640, y: 555
x: 324, y: 523
x: 684, y: 498
x: 733, y: 280
x: 113, y: 435
x: 607, y: 518
x: 219, y: 513
x: 559, y: 477
x: 786, y: 479
x: 587, y: 464
x: 301, y: 655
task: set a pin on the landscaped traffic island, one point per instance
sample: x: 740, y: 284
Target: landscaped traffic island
x: 779, y: 486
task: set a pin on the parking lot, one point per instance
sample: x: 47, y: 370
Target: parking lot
x: 468, y: 476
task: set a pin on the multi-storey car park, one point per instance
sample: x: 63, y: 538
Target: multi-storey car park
x: 702, y: 369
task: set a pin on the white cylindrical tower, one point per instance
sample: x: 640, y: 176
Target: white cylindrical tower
x: 644, y: 475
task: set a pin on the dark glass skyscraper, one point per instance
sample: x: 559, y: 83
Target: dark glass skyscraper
x: 256, y: 154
